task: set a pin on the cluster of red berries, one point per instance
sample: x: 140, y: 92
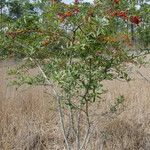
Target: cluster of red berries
x: 22, y: 31
x: 124, y: 14
x: 63, y: 16
x: 76, y: 2
x: 69, y: 13
x: 121, y: 14
x: 135, y: 19
x: 116, y: 1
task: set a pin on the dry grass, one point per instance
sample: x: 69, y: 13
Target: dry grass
x: 28, y: 119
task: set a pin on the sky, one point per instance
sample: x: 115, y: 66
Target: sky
x: 70, y: 1
x: 90, y: 1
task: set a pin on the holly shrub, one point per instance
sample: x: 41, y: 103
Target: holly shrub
x: 75, y: 47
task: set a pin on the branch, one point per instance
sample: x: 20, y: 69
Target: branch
x: 55, y: 94
x: 59, y: 103
x: 88, y: 128
x: 78, y: 128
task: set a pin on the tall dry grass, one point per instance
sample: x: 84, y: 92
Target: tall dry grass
x: 28, y: 116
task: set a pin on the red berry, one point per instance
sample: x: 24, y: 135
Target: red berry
x: 116, y: 1
x: 121, y: 14
x: 135, y: 19
x: 76, y: 1
x: 76, y: 10
x: 61, y: 16
x: 68, y: 14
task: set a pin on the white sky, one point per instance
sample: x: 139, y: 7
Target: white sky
x: 70, y: 1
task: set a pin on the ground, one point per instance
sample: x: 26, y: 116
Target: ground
x: 28, y: 119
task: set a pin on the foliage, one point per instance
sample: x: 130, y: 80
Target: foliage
x: 77, y: 46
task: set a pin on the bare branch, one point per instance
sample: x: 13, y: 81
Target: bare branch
x: 59, y: 103
x: 88, y: 127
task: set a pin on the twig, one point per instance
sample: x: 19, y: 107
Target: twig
x: 88, y: 127
x: 59, y: 103
x: 78, y: 128
x: 55, y: 94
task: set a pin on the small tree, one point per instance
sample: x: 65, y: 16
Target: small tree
x: 75, y: 47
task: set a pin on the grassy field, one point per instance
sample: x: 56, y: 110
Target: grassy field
x: 28, y: 116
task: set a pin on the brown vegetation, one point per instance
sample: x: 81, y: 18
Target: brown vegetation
x: 28, y: 116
